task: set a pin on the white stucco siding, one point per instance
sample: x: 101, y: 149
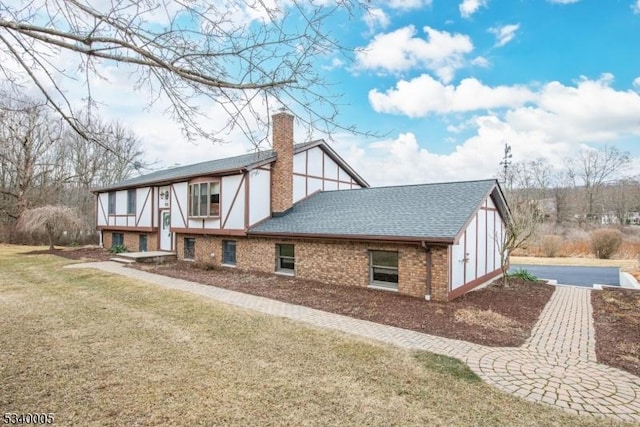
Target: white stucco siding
x: 259, y: 195
x: 457, y: 264
x: 179, y: 204
x: 471, y: 235
x: 492, y: 240
x: 102, y: 211
x: 232, y: 202
x: 300, y: 163
x: 330, y: 168
x: 299, y: 188
x: 315, y: 162
x: 313, y: 185
x: 144, y: 206
x: 483, y: 243
x: 314, y: 170
x: 500, y: 230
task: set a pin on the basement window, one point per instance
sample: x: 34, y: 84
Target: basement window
x: 285, y: 258
x: 117, y: 239
x: 142, y: 243
x: 189, y: 248
x: 383, y: 269
x: 229, y: 252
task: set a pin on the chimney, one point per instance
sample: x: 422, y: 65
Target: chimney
x: 282, y: 169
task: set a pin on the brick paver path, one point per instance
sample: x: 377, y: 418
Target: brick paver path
x: 557, y: 365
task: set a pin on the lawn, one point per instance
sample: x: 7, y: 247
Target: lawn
x: 96, y: 349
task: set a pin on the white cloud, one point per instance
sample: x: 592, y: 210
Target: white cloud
x: 636, y: 83
x: 401, y: 50
x: 469, y: 7
x: 563, y: 1
x: 481, y: 61
x: 408, y: 4
x: 424, y: 95
x: 559, y: 120
x: 376, y: 18
x: 505, y: 33
x: 636, y: 7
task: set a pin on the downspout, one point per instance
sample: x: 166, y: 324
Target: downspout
x: 427, y: 295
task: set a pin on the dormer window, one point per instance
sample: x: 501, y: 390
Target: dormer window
x: 204, y: 199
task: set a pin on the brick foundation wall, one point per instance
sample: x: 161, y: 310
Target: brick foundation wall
x: 131, y: 240
x: 439, y: 273
x: 330, y: 261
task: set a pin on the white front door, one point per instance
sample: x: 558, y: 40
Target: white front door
x: 166, y: 236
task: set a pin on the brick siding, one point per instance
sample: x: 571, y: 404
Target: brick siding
x: 131, y: 240
x: 282, y: 169
x: 331, y: 261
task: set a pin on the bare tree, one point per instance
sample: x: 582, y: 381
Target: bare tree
x: 50, y: 220
x: 240, y: 55
x: 592, y: 168
x: 521, y: 225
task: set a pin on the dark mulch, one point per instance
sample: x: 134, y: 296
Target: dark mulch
x: 520, y: 304
x: 89, y: 253
x: 616, y: 314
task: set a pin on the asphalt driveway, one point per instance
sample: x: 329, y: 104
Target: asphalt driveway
x: 573, y: 275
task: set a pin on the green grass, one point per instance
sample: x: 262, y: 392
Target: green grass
x: 97, y: 349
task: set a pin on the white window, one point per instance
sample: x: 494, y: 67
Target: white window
x: 204, y: 199
x: 383, y: 269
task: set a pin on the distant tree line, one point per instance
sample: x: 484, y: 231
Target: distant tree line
x: 43, y: 162
x: 594, y: 187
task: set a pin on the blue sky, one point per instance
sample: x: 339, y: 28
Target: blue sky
x: 446, y: 83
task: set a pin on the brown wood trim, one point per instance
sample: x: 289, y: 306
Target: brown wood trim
x: 175, y: 195
x: 210, y: 231
x: 143, y: 206
x: 477, y: 243
x: 486, y: 242
x: 464, y: 257
x: 322, y: 178
x: 468, y: 286
x: 233, y: 202
x: 475, y: 212
x: 123, y: 228
x: 368, y: 238
x: 247, y: 199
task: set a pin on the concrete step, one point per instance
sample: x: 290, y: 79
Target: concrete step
x: 123, y: 260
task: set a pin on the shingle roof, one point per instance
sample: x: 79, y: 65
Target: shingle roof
x: 224, y: 165
x: 210, y: 167
x: 431, y: 212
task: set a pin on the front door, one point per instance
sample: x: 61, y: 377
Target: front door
x: 166, y: 236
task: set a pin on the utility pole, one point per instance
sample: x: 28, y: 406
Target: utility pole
x: 506, y: 162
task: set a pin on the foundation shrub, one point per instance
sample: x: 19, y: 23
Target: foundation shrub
x: 605, y: 242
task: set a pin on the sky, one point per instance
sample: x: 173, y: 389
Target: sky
x: 446, y: 84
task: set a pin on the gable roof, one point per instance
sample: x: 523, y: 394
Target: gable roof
x: 226, y: 165
x: 428, y: 212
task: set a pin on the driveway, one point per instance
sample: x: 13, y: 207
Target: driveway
x: 573, y: 275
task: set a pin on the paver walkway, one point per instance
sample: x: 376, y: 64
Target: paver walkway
x: 557, y: 365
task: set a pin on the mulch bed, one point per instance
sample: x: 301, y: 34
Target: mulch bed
x: 616, y: 314
x: 521, y: 303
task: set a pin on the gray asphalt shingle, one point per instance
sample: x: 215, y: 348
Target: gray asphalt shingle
x: 429, y: 211
x: 210, y: 167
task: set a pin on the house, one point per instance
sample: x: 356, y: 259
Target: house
x: 301, y: 210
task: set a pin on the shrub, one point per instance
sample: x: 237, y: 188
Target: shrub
x: 117, y: 249
x: 551, y: 245
x: 605, y: 242
x: 524, y: 275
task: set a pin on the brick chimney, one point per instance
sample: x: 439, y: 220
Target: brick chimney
x: 282, y: 168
